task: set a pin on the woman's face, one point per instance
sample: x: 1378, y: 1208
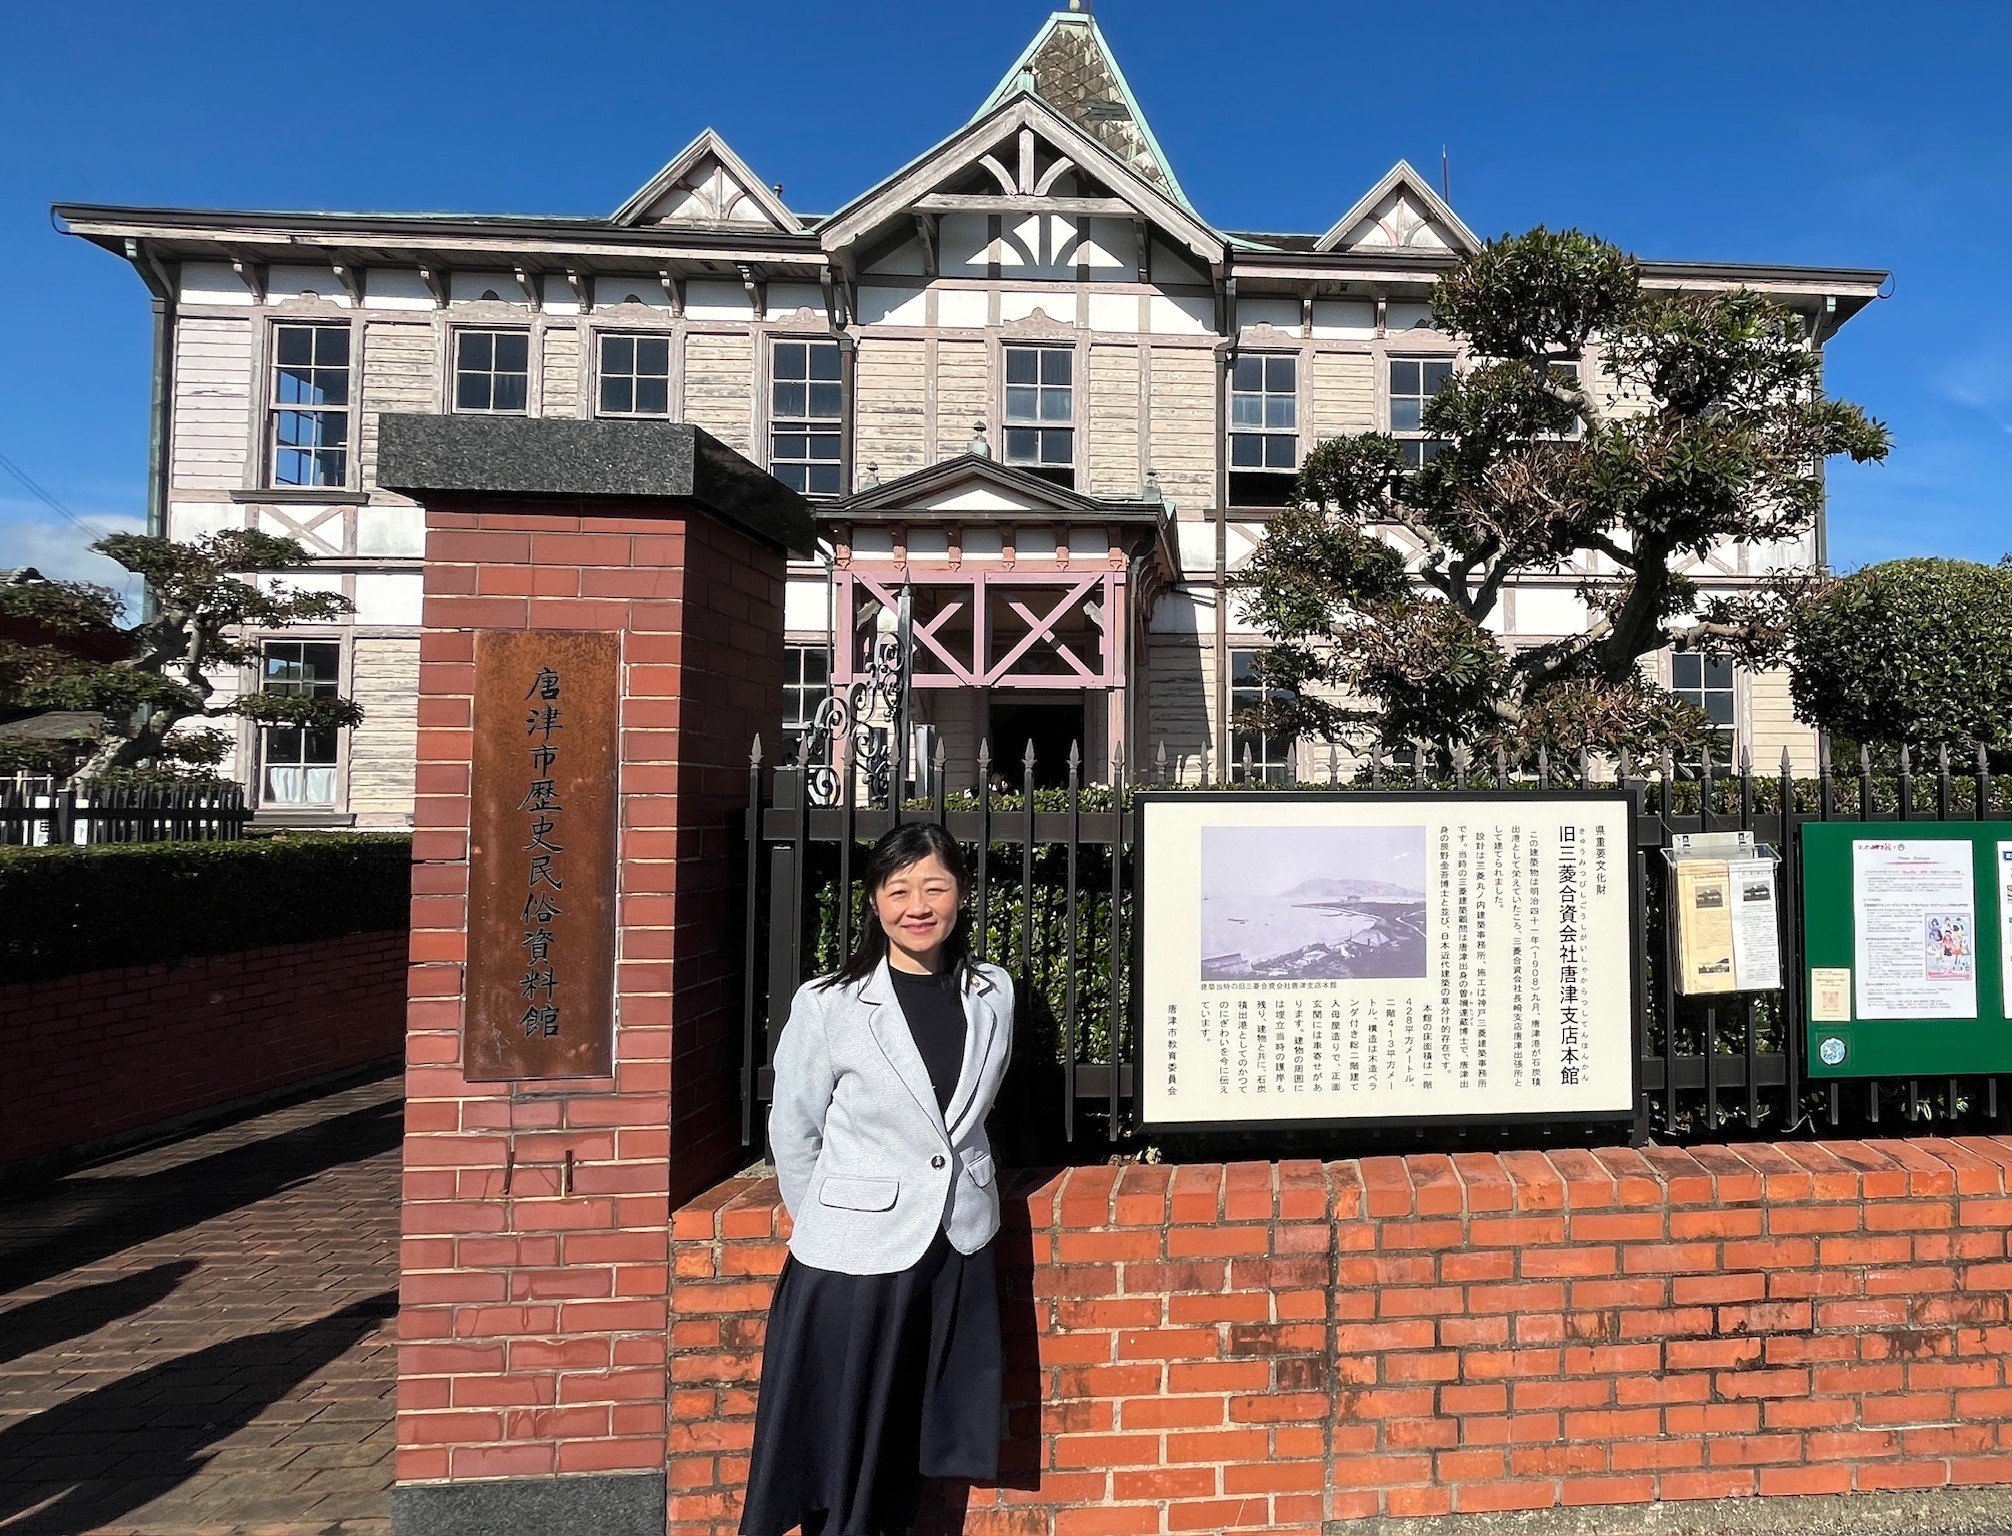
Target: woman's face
x: 917, y: 907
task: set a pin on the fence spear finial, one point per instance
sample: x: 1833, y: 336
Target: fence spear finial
x: 754, y: 754
x: 1787, y: 764
x: 1906, y: 759
x: 1160, y: 761
x: 1865, y: 760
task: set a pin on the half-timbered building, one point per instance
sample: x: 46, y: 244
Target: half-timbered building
x: 1023, y: 375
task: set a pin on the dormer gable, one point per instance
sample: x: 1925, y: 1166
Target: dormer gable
x: 1024, y: 158
x: 707, y: 186
x: 1401, y: 215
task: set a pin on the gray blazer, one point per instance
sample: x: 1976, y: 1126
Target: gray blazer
x: 870, y: 1168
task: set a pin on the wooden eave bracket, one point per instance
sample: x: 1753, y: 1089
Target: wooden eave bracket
x: 250, y: 270
x: 583, y: 289
x: 674, y: 290
x: 434, y: 274
x: 757, y: 289
x: 349, y: 272
x: 527, y: 281
x: 831, y: 309
x: 925, y: 231
x: 153, y: 271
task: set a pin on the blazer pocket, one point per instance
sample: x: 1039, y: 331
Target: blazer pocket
x: 980, y: 1168
x: 859, y: 1194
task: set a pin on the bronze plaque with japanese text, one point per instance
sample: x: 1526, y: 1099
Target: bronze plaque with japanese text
x: 541, y: 856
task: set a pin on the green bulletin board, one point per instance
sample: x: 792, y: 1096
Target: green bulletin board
x: 1907, y: 971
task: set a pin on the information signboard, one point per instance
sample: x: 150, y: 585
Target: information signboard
x: 1320, y: 958
x: 1905, y: 929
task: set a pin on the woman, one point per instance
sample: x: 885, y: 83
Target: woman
x: 881, y: 1364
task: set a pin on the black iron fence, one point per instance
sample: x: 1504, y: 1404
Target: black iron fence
x: 37, y: 813
x: 1052, y: 902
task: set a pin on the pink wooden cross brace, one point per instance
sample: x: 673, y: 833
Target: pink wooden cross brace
x: 925, y: 633
x: 1044, y: 629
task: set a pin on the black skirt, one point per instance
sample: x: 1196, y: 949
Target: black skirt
x: 869, y: 1383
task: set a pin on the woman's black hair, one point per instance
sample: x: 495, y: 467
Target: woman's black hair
x: 907, y: 844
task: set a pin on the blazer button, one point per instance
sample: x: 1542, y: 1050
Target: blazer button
x: 936, y: 1161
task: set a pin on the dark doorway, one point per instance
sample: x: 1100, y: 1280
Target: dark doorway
x: 1052, y: 725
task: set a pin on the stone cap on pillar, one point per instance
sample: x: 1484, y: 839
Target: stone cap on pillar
x: 432, y: 457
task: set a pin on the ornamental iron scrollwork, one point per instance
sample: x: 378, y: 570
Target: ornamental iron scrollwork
x: 866, y: 717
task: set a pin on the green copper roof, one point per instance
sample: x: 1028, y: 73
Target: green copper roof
x: 1075, y: 72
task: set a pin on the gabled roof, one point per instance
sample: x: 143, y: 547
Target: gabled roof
x: 970, y: 145
x: 1072, y: 68
x: 938, y: 487
x: 1400, y: 213
x: 707, y: 184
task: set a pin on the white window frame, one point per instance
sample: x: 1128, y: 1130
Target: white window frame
x: 462, y: 335
x: 801, y: 694
x: 278, y: 408
x: 804, y: 423
x: 633, y: 375
x: 326, y: 688
x: 1419, y: 445
x: 1264, y: 431
x: 1272, y: 759
x: 1040, y: 423
x: 1726, y: 734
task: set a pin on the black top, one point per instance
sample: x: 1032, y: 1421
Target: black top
x: 934, y: 1009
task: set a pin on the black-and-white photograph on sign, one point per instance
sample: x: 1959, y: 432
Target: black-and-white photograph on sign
x: 1315, y: 904
x: 1320, y: 957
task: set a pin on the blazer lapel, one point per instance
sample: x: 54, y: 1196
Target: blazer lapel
x: 897, y: 1044
x: 980, y: 1026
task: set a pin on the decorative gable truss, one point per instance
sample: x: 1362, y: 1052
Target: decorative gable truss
x: 1401, y: 213
x: 1022, y: 161
x: 707, y: 185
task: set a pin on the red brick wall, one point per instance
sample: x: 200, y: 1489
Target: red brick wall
x: 534, y: 1311
x: 1264, y: 1347
x: 109, y: 1053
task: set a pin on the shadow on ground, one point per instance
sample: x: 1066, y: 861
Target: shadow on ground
x: 75, y: 1313
x: 83, y: 1219
x: 96, y: 1457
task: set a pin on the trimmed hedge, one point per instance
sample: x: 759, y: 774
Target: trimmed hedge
x: 117, y: 904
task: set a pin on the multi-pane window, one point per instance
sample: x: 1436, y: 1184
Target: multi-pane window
x: 1708, y: 682
x: 635, y: 375
x: 492, y: 371
x: 299, y: 761
x: 1264, y: 413
x: 309, y: 409
x: 1040, y: 415
x: 806, y: 430
x: 1270, y: 755
x: 806, y: 684
x: 1413, y: 381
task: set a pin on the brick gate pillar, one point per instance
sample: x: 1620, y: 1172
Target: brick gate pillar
x: 532, y: 1392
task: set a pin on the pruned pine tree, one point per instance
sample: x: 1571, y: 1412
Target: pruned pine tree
x: 152, y: 680
x: 1722, y: 442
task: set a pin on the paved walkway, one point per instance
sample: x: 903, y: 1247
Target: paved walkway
x: 199, y: 1338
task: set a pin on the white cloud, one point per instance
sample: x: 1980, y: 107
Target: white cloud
x: 60, y: 550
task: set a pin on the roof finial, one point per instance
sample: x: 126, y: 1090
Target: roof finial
x: 979, y: 446
x: 1079, y: 5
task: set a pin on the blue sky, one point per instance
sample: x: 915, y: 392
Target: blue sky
x: 1844, y: 133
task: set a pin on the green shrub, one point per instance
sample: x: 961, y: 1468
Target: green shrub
x: 1914, y: 652
x: 118, y: 904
